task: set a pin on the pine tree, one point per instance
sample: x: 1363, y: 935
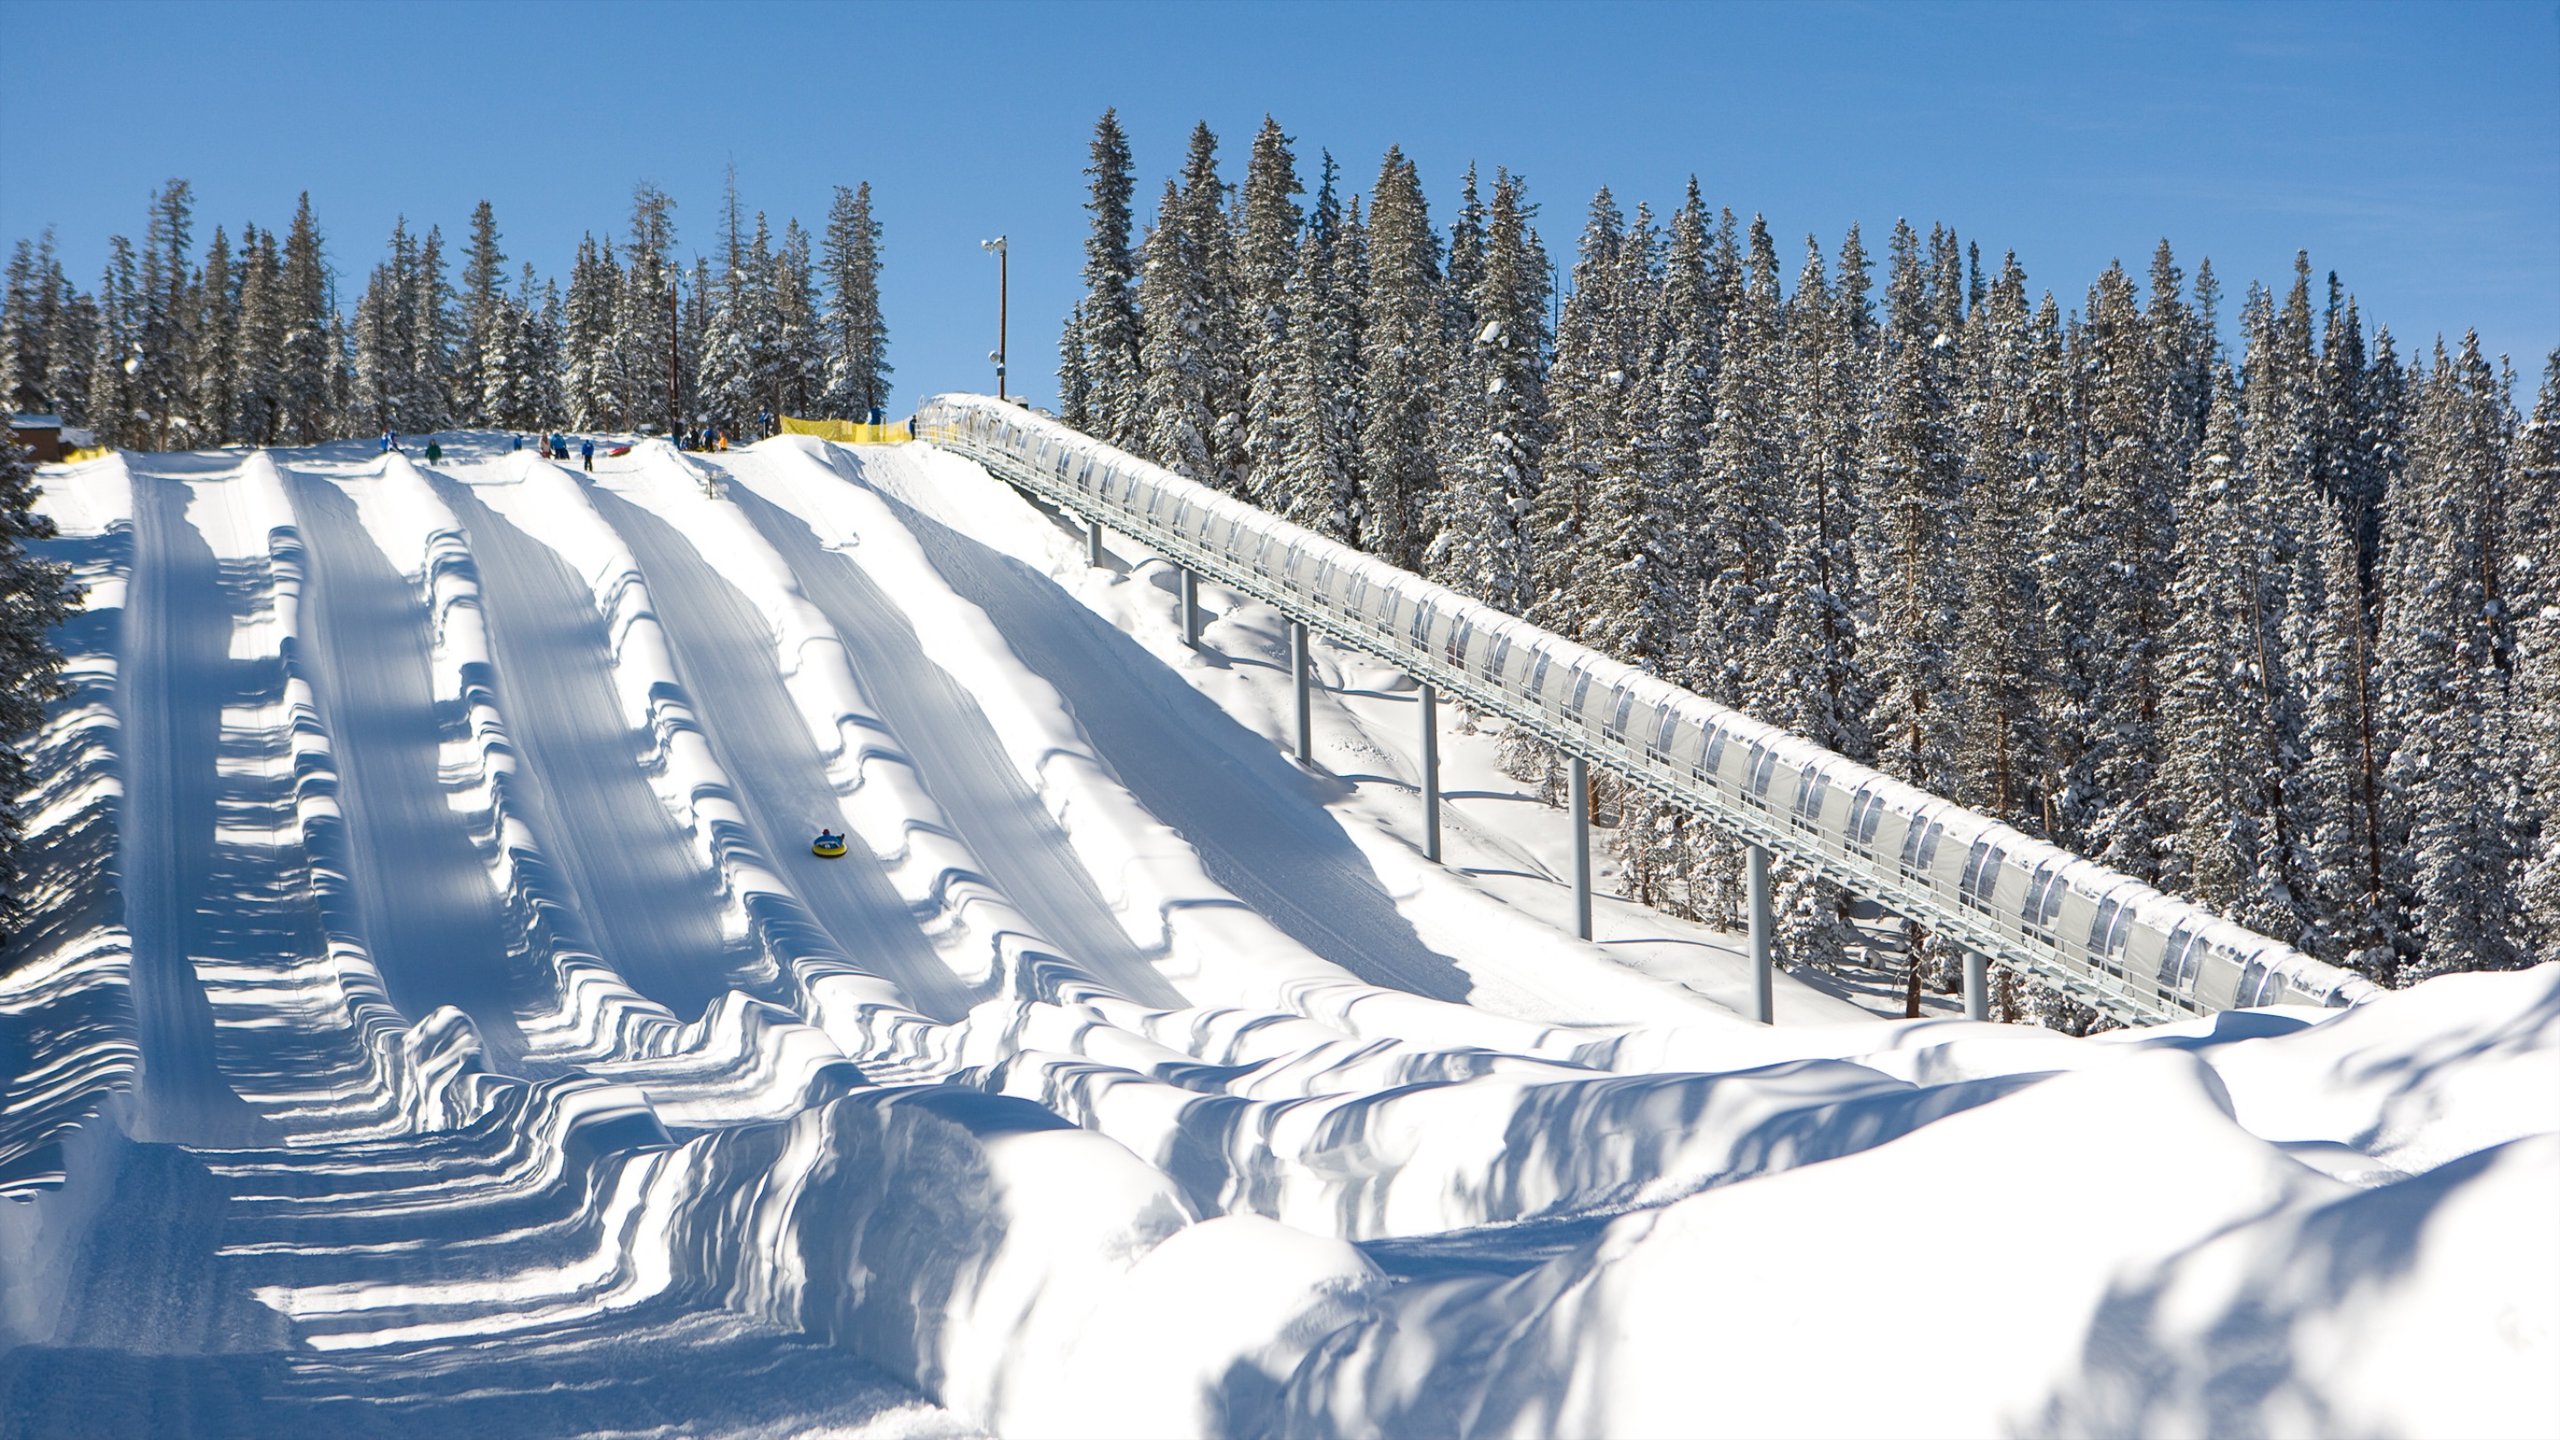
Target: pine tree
x: 1075, y: 384
x: 430, y: 303
x: 644, y: 338
x: 1401, y: 358
x: 1111, y: 337
x: 114, y: 397
x: 487, y: 322
x: 1655, y: 841
x: 309, y: 361
x: 158, y: 335
x: 591, y: 373
x: 30, y: 327
x: 35, y: 595
x: 1914, y: 470
x: 1211, y: 238
x: 1585, y: 393
x: 2446, y: 647
x: 1172, y: 294
x: 736, y: 360
x: 2106, y: 601
x: 214, y: 318
x: 1807, y: 678
x: 74, y: 342
x: 1629, y: 608
x: 856, y: 346
x: 1466, y: 259
x: 1496, y: 413
x: 257, y: 382
x: 2013, y: 431
x: 799, y: 362
x: 1692, y: 325
x: 1317, y: 485
x: 1266, y: 262
x: 382, y: 340
x: 2218, y: 697
x: 1741, y: 486
x: 1186, y: 305
x: 2535, y: 486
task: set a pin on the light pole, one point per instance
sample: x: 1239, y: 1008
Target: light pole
x: 997, y: 246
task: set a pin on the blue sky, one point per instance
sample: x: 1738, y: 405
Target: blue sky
x: 2415, y: 149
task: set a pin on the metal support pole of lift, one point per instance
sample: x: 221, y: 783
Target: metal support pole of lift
x: 1578, y: 796
x: 1190, y: 607
x: 1302, y: 667
x: 1430, y: 773
x: 1977, y: 986
x: 1093, y: 542
x: 1764, y: 970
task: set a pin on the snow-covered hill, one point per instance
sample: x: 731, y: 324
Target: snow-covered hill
x: 438, y: 1024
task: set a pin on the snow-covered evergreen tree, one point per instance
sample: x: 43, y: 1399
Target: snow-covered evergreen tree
x: 522, y: 375
x: 736, y: 363
x: 1496, y: 413
x: 1318, y: 483
x: 257, y: 384
x: 40, y: 595
x: 1807, y: 677
x: 431, y: 311
x: 1266, y: 254
x: 310, y: 363
x: 1193, y: 386
x: 2106, y: 604
x: 591, y: 369
x: 1742, y: 485
x: 214, y: 357
x: 2218, y: 697
x: 402, y: 364
x: 1111, y: 338
x: 799, y: 362
x: 487, y: 324
x: 1401, y: 362
x: 2445, y: 648
x: 1914, y: 472
x: 159, y: 336
x: 2535, y: 488
x: 856, y: 346
x: 1626, y: 592
x: 645, y: 324
x: 1691, y: 325
x: 1173, y: 295
x: 30, y: 327
x: 114, y: 402
x: 1586, y: 391
x: 2014, y: 442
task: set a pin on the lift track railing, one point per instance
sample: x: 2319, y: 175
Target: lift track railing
x: 2104, y: 938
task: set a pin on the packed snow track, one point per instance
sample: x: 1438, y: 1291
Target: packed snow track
x: 434, y: 1022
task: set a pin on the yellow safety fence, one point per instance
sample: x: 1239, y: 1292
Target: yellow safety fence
x: 87, y: 453
x: 847, y: 432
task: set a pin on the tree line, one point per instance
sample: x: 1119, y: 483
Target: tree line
x: 2278, y: 631
x: 248, y: 342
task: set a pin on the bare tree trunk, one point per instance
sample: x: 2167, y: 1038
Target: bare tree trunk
x: 1910, y: 971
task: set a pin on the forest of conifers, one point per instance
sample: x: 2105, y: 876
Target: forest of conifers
x: 2276, y: 630
x: 248, y: 342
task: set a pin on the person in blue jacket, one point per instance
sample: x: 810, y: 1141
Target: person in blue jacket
x: 587, y: 454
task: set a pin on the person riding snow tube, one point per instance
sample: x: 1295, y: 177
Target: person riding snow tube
x: 829, y: 844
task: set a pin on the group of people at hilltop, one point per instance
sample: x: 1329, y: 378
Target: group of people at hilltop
x: 555, y: 446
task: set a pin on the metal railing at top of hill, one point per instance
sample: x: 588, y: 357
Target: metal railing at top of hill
x: 2103, y: 937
